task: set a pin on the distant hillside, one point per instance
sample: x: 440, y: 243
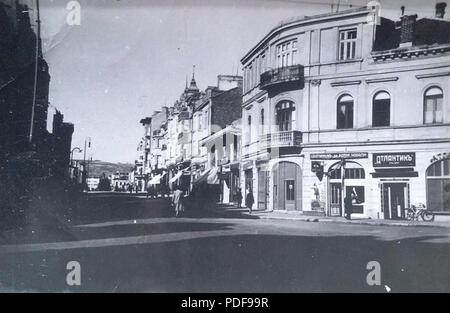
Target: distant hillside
x: 97, y: 168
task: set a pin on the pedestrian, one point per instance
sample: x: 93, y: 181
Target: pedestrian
x: 239, y: 197
x: 348, y: 205
x: 130, y: 188
x: 177, y: 200
x: 249, y: 200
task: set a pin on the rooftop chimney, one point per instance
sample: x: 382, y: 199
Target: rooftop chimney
x: 440, y: 9
x: 407, y: 30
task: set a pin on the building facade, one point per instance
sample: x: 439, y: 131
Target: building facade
x: 348, y: 104
x: 178, y: 134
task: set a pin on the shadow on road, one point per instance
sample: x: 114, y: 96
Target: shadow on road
x: 96, y: 209
x: 143, y: 229
x: 239, y: 263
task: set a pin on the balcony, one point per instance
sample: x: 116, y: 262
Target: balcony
x: 283, y: 139
x: 289, y: 76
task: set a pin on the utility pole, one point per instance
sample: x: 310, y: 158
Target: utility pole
x: 84, y: 158
x: 343, y: 192
x: 36, y: 65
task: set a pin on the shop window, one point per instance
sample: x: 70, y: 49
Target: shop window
x: 381, y: 109
x: 358, y: 198
x: 438, y: 186
x: 345, y: 112
x: 432, y: 111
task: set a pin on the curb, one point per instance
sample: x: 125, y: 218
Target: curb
x: 318, y: 220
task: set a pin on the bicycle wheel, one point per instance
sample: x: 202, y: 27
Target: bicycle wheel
x: 427, y: 216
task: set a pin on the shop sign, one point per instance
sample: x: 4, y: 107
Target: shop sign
x: 440, y: 157
x: 395, y: 159
x: 316, y: 166
x: 339, y: 156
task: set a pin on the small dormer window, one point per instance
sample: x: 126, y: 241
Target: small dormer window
x: 347, y: 44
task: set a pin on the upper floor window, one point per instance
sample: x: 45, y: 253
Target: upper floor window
x: 200, y: 117
x: 347, y: 44
x: 284, y: 111
x: 249, y: 129
x: 345, y: 112
x: 433, y: 111
x: 261, y: 126
x: 287, y: 53
x: 381, y: 109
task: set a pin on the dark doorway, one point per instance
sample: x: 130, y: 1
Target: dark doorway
x: 394, y: 200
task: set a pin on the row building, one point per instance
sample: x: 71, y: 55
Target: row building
x: 179, y: 146
x: 344, y: 104
x: 349, y: 104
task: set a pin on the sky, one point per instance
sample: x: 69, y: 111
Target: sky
x: 127, y: 58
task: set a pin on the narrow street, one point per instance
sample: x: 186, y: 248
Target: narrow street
x: 131, y: 244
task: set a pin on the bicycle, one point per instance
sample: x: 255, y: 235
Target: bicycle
x: 420, y: 211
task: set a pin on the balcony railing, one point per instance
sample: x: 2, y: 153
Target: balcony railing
x: 290, y: 138
x: 288, y: 74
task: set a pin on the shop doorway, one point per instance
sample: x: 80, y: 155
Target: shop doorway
x: 335, y: 200
x: 263, y: 188
x: 395, y: 200
x: 287, y: 186
x: 351, y: 175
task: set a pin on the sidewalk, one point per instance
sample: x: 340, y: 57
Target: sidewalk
x: 298, y: 216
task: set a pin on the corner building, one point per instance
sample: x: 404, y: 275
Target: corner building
x: 349, y: 103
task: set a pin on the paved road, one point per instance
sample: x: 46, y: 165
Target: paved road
x: 128, y: 244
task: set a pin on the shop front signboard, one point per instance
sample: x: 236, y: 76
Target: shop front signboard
x: 394, y: 159
x: 339, y: 156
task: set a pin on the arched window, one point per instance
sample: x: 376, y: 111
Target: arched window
x: 345, y: 112
x: 381, y: 109
x: 284, y: 111
x: 432, y: 106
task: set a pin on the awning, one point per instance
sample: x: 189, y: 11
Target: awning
x: 209, y: 177
x: 213, y: 178
x: 247, y: 165
x: 387, y: 173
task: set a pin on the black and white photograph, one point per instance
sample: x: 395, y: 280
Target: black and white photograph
x: 240, y: 148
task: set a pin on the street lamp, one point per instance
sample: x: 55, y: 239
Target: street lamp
x: 71, y: 153
x: 71, y: 158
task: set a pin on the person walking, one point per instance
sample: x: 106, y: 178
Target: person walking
x: 177, y: 201
x: 239, y: 197
x: 348, y: 205
x: 249, y: 200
